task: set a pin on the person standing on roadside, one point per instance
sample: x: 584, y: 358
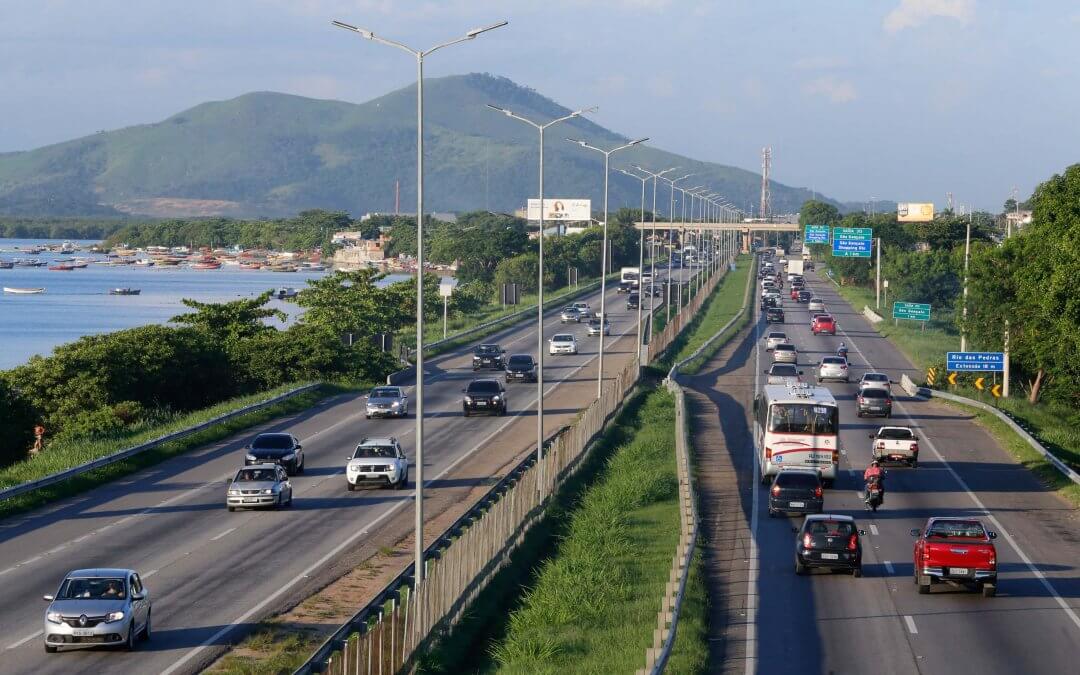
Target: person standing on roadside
x: 39, y: 439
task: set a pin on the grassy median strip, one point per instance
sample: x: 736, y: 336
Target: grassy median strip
x: 583, y: 591
x: 61, y: 455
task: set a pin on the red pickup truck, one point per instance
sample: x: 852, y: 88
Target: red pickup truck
x: 958, y: 551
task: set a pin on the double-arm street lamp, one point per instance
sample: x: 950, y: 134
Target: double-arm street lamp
x: 604, y: 252
x: 540, y: 286
x: 671, y: 248
x: 419, y: 55
x: 641, y: 263
x: 652, y: 230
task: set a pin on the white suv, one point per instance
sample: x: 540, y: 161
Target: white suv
x: 377, y: 460
x: 563, y: 343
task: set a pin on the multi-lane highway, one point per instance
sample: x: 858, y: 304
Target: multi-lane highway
x: 767, y: 619
x: 212, y: 573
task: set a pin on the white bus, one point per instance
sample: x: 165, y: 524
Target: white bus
x: 629, y: 275
x: 797, y: 425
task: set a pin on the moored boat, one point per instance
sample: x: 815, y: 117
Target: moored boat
x: 206, y: 265
x: 61, y: 268
x: 285, y: 292
x: 23, y: 291
x: 124, y: 291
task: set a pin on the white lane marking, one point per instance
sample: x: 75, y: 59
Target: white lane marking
x: 911, y: 624
x: 31, y: 560
x: 873, y: 531
x: 889, y: 567
x: 10, y: 569
x: 982, y: 507
x: 150, y: 574
x: 750, y: 638
x: 223, y: 534
x: 306, y: 573
x: 28, y: 638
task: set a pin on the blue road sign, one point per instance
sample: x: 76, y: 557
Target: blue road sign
x: 852, y: 242
x: 816, y: 234
x: 989, y: 362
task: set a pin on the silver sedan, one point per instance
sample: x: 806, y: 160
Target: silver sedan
x: 96, y: 607
x: 259, y: 485
x: 833, y: 368
x: 785, y: 352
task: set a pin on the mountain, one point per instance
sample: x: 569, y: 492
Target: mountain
x: 269, y: 154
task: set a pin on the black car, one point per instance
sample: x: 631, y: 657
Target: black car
x: 774, y: 315
x: 804, y: 296
x: 488, y: 357
x: 769, y: 301
x: 283, y: 449
x: 520, y: 368
x: 830, y: 541
x: 633, y: 300
x: 796, y: 491
x: 488, y: 396
x: 873, y: 401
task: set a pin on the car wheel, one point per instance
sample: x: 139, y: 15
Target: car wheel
x: 465, y: 413
x: 129, y: 645
x: 146, y: 628
x: 923, y: 588
x: 800, y: 569
x: 772, y: 514
x: 349, y: 486
x: 366, y: 416
x: 989, y: 590
x: 288, y: 504
x: 231, y: 509
x: 913, y: 463
x: 858, y: 413
x: 49, y: 649
x: 856, y: 571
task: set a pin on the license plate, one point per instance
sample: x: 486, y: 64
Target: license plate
x: 481, y: 403
x: 251, y: 501
x: 960, y: 571
x: 373, y: 475
x: 82, y: 632
x: 830, y: 556
x: 797, y: 504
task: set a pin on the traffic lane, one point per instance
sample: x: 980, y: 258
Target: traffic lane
x: 210, y: 608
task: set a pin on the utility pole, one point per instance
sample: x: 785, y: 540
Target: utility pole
x: 877, y: 301
x: 1005, y: 369
x: 766, y: 197
x: 967, y: 254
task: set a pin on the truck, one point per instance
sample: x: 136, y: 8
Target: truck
x: 794, y: 266
x: 956, y: 551
x: 895, y: 444
x: 629, y: 278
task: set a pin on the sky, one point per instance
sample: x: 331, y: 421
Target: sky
x: 905, y: 100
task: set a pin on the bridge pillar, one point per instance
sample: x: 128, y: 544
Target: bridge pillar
x: 746, y: 240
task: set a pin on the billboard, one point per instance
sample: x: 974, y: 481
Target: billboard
x: 914, y: 212
x: 561, y: 209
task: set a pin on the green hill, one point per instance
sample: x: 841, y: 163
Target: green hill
x: 275, y: 154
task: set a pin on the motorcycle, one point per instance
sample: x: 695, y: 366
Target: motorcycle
x: 875, y: 494
x: 842, y: 352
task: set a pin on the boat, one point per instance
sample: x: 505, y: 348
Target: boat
x: 144, y: 262
x: 285, y: 292
x: 124, y: 291
x: 313, y: 267
x: 61, y: 268
x: 206, y: 265
x: 283, y: 268
x: 5, y: 265
x: 23, y: 291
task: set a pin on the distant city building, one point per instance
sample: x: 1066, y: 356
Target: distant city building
x: 1018, y: 219
x: 355, y: 251
x: 442, y: 216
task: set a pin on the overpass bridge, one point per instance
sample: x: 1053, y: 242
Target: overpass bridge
x: 744, y: 228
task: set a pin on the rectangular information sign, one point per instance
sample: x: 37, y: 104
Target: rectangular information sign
x: 816, y: 234
x: 852, y: 242
x: 991, y: 362
x: 916, y: 311
x: 561, y: 209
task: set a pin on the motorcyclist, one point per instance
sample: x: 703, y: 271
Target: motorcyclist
x: 874, y: 473
x: 842, y: 350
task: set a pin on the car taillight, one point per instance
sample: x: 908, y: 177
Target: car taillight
x: 807, y: 541
x: 852, y: 543
x: 888, y: 401
x: 776, y: 490
x: 768, y: 453
x: 817, y: 491
x: 835, y: 456
x: 993, y: 561
x: 843, y: 366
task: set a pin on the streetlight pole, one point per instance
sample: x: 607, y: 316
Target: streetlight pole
x: 967, y: 253
x: 641, y: 265
x: 652, y: 232
x: 419, y: 55
x: 604, y: 252
x: 671, y: 223
x: 540, y: 288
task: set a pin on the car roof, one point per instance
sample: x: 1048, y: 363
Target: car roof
x: 377, y: 440
x: 264, y: 465
x: 101, y: 572
x: 562, y: 336
x: 829, y: 516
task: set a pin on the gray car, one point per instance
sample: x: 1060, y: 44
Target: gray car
x: 95, y: 607
x: 783, y: 373
x: 387, y: 402
x: 833, y: 368
x: 816, y: 304
x: 785, y: 352
x: 594, y: 327
x: 259, y: 485
x: 570, y: 314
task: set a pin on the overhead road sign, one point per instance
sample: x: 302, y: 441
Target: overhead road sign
x: 985, y: 362
x: 816, y: 234
x: 913, y: 212
x: 916, y: 311
x: 852, y: 242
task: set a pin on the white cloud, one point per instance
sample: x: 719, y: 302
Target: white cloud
x: 834, y: 89
x: 913, y: 13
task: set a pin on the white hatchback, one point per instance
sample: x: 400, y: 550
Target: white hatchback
x: 563, y: 343
x: 816, y: 304
x: 774, y: 338
x: 874, y: 381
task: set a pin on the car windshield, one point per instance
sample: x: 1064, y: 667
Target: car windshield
x: 824, y: 318
x: 563, y: 338
x: 783, y: 347
x: 896, y: 434
x: 520, y: 360
x: 833, y: 361
x: 255, y: 475
x: 375, y: 451
x: 874, y: 393
x: 783, y: 369
x: 875, y: 377
x: 777, y: 336
x: 272, y: 442
x: 484, y: 387
x: 804, y: 418
x: 797, y: 479
x: 94, y: 588
x: 830, y: 528
x: 386, y: 392
x: 962, y: 529
x: 487, y: 349
x: 569, y: 310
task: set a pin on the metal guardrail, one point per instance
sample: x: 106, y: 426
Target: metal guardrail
x: 656, y: 658
x: 121, y: 455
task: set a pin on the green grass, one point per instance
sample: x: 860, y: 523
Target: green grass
x: 277, y: 652
x: 690, y: 654
x: 61, y: 455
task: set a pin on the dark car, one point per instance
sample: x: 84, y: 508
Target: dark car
x: 487, y: 396
x: 796, y: 491
x: 774, y: 315
x: 830, y: 541
x: 278, y: 448
x: 873, y: 401
x: 488, y: 357
x: 633, y: 300
x: 769, y: 301
x: 520, y: 368
x: 804, y: 296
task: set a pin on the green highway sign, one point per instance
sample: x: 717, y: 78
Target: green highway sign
x: 816, y: 234
x: 852, y: 242
x: 916, y: 311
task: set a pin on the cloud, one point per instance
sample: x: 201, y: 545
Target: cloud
x: 913, y: 13
x: 834, y: 89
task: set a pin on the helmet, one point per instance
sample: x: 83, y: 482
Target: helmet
x: 875, y: 463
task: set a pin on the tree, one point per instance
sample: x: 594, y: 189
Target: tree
x: 521, y: 270
x: 931, y: 277
x: 17, y: 419
x: 350, y: 302
x: 814, y: 212
x: 230, y: 321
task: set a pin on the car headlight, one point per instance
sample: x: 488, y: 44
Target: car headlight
x: 269, y: 491
x: 234, y: 492
x: 114, y: 616
x: 52, y: 617
x: 468, y: 399
x: 289, y: 457
x: 494, y: 398
x: 250, y: 457
x: 395, y: 404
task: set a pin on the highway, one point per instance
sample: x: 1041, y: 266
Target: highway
x: 765, y: 619
x: 213, y: 574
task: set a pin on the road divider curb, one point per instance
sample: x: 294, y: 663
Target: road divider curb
x: 872, y: 316
x: 121, y: 455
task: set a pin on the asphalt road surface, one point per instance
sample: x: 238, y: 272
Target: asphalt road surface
x: 765, y: 619
x: 212, y: 574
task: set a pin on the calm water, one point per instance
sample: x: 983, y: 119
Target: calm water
x: 77, y: 303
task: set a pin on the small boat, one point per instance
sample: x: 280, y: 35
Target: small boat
x: 61, y: 268
x: 285, y: 292
x: 124, y: 291
x: 313, y: 267
x: 5, y: 265
x: 144, y: 262
x: 206, y: 265
x: 23, y: 291
x: 284, y: 268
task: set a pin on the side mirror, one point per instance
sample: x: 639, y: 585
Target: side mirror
x: 138, y: 596
x: 765, y: 371
x: 47, y: 598
x: 870, y: 436
x: 299, y: 447
x: 404, y: 397
x: 800, y: 372
x: 503, y: 351
x: 795, y: 529
x: 915, y: 533
x: 365, y: 397
x: 862, y: 533
x: 992, y: 534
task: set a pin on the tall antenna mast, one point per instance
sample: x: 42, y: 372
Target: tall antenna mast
x: 766, y: 164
